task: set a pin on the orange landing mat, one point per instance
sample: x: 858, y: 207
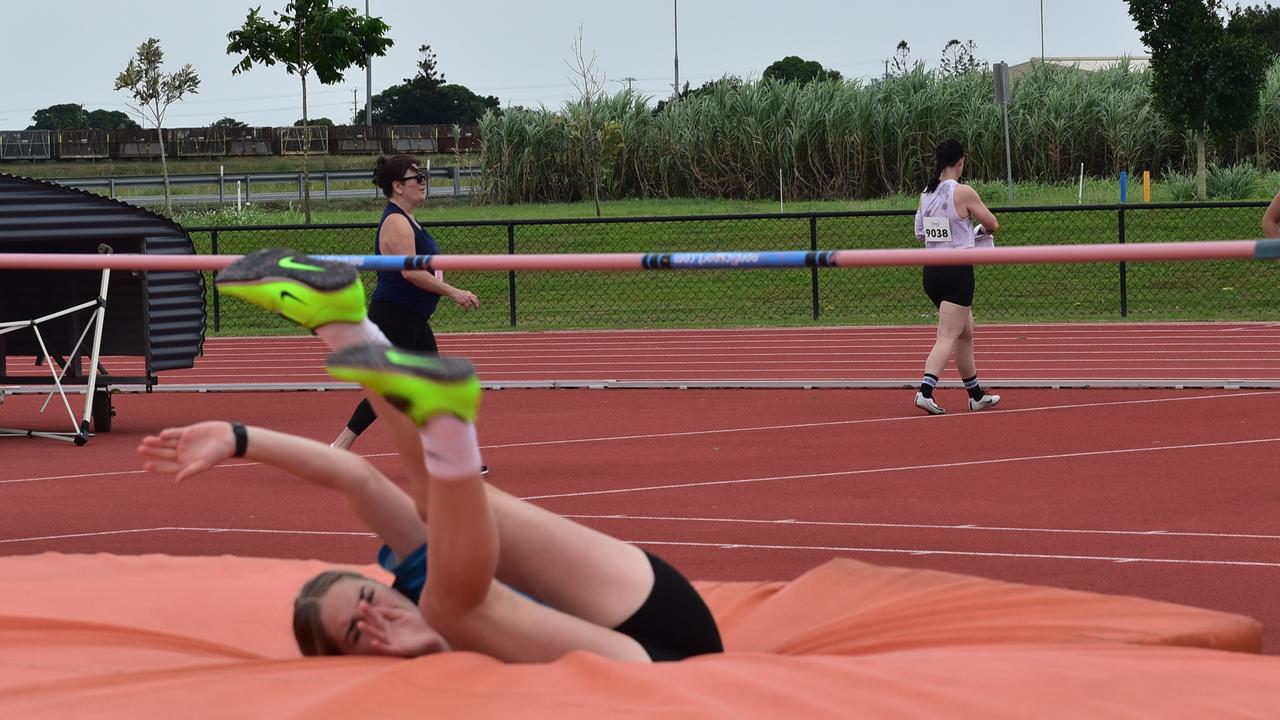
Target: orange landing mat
x: 107, y: 636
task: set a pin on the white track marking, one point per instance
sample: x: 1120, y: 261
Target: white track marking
x: 922, y: 526
x: 209, y: 530
x: 903, y: 468
x: 915, y: 417
x: 720, y: 545
x: 964, y: 553
x: 113, y: 473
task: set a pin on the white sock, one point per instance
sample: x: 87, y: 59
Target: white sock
x: 339, y: 335
x: 453, y: 452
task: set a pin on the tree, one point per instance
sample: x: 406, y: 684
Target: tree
x: 427, y: 99
x: 60, y: 117
x: 900, y: 64
x: 959, y: 58
x: 1260, y: 24
x: 110, y: 120
x: 314, y: 122
x: 153, y: 92
x: 229, y: 124
x: 729, y: 82
x: 1203, y: 79
x: 798, y: 70
x: 600, y: 144
x: 73, y: 116
x: 309, y: 36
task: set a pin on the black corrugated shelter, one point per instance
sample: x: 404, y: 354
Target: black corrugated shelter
x: 159, y: 316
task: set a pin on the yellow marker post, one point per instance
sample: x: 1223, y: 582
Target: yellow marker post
x: 1146, y: 186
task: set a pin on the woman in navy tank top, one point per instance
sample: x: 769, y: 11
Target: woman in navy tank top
x: 403, y: 301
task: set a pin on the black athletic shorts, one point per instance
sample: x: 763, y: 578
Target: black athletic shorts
x: 952, y: 283
x: 673, y: 623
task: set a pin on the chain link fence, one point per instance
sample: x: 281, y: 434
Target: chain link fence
x: 1205, y: 290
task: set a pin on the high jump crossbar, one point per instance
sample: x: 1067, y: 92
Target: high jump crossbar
x: 1022, y: 255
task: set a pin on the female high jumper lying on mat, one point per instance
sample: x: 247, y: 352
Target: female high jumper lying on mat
x: 508, y: 578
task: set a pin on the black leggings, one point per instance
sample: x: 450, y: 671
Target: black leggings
x: 673, y: 623
x: 405, y: 329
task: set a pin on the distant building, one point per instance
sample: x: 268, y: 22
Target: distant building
x: 1089, y: 64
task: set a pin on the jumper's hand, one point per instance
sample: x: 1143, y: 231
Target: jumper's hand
x: 397, y: 631
x: 188, y: 451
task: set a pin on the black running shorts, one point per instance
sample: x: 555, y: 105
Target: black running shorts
x: 952, y: 283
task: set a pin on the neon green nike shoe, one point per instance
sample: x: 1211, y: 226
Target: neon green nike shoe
x: 306, y: 290
x: 422, y: 386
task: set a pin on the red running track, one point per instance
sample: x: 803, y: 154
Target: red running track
x: 1074, y: 355
x: 1161, y: 493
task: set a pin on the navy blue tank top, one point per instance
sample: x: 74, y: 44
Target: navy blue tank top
x: 392, y: 287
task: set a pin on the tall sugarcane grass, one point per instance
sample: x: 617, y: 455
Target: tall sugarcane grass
x: 837, y: 140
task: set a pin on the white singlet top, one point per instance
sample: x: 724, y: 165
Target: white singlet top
x: 938, y: 226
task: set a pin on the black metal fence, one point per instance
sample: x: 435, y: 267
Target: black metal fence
x: 1193, y: 290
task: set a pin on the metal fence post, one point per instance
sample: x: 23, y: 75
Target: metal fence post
x: 455, y: 172
x: 1124, y: 274
x: 301, y: 190
x: 326, y: 185
x: 511, y: 274
x: 248, y: 189
x: 813, y: 247
x: 111, y: 193
x: 217, y: 307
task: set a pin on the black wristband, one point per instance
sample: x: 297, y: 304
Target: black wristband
x: 242, y: 438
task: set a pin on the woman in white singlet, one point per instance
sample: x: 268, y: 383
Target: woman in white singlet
x: 944, y: 221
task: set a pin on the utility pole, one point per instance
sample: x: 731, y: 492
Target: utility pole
x: 628, y: 80
x: 675, y: 26
x: 1000, y: 73
x: 355, y: 104
x: 1041, y: 32
x: 368, y: 82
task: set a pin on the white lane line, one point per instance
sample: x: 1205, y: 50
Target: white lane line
x: 903, y: 468
x: 923, y: 526
x: 717, y: 545
x: 721, y: 431
x: 916, y: 417
x: 209, y: 530
x: 114, y: 473
x: 961, y: 553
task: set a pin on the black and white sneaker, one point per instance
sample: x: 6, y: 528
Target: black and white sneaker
x: 928, y: 405
x: 984, y: 402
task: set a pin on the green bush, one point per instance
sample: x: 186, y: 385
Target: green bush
x: 1178, y: 186
x: 1234, y: 182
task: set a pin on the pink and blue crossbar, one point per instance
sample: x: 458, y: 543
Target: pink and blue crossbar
x: 1130, y: 252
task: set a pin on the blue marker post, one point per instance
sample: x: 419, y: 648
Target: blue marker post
x: 1124, y: 186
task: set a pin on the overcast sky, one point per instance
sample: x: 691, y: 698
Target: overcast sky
x: 518, y: 50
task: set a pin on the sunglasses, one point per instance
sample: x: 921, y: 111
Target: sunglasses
x: 421, y: 178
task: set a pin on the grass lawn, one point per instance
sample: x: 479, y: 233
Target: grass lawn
x: 1218, y: 290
